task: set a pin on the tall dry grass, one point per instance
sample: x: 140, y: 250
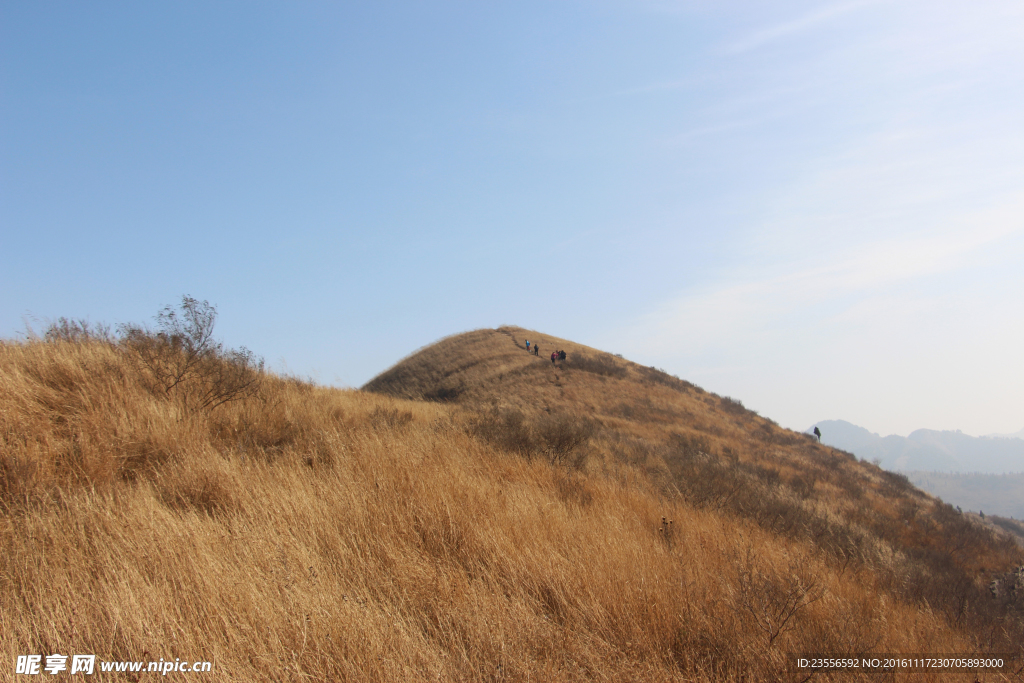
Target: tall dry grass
x: 307, y: 533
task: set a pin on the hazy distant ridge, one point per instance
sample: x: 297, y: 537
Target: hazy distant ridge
x: 994, y: 494
x: 928, y: 449
x: 1016, y: 435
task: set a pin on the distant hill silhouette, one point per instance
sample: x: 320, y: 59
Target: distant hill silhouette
x: 994, y: 494
x: 1015, y: 435
x: 927, y: 449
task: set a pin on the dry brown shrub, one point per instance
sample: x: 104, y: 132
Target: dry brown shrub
x: 603, y: 365
x: 183, y: 361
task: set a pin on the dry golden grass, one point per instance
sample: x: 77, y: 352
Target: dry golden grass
x: 309, y: 533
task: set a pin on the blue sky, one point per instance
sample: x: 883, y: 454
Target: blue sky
x: 817, y: 208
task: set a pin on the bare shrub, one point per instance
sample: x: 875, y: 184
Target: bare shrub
x: 690, y: 445
x: 1012, y: 526
x: 77, y: 331
x: 708, y: 481
x: 786, y: 437
x: 183, y: 360
x: 896, y: 484
x: 560, y: 437
x: 443, y: 394
x: 733, y: 405
x: 563, y: 436
x: 602, y: 364
x: 774, y: 599
x: 506, y: 429
x: 657, y: 376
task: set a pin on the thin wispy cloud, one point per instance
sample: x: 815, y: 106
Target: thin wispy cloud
x: 801, y: 24
x: 872, y: 304
x: 741, y: 306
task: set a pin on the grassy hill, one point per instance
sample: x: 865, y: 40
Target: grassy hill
x: 474, y: 514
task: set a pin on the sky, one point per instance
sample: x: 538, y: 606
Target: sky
x: 816, y: 208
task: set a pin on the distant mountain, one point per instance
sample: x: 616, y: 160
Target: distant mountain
x: 1015, y: 435
x: 927, y: 449
x: 998, y: 494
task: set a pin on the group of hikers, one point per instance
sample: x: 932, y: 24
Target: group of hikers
x: 555, y: 355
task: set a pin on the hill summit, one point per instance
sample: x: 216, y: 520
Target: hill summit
x: 475, y: 365
x: 491, y: 368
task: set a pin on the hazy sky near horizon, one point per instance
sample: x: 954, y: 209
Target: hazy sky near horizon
x: 814, y: 207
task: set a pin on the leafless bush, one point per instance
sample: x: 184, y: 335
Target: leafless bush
x: 77, y: 331
x: 602, y: 364
x: 845, y: 454
x: 657, y: 376
x: 787, y: 437
x: 1012, y: 526
x: 733, y: 405
x: 560, y: 437
x: 506, y: 429
x: 774, y: 599
x: 563, y: 437
x: 443, y: 394
x: 689, y: 445
x: 896, y: 484
x: 183, y: 360
x: 708, y: 481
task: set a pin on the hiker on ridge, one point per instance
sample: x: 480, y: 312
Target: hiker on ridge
x: 554, y: 355
x: 817, y: 433
x: 527, y: 345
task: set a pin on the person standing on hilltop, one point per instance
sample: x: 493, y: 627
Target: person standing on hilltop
x: 527, y: 345
x: 817, y: 433
x: 554, y: 355
x: 536, y: 350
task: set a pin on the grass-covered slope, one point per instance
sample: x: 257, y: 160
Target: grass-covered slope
x: 591, y: 522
